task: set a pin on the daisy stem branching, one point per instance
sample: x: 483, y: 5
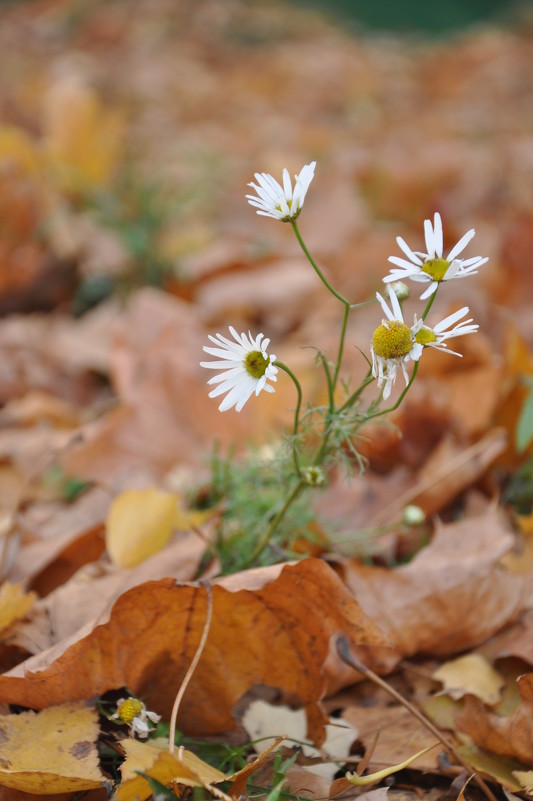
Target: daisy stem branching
x: 316, y: 268
x: 341, y: 344
x: 329, y: 381
x: 262, y: 543
x: 296, y: 423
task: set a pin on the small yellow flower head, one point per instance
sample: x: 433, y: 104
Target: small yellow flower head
x: 129, y: 709
x: 134, y: 713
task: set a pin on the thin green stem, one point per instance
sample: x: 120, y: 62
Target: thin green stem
x: 296, y: 423
x: 364, y: 303
x: 429, y: 305
x: 315, y: 266
x: 262, y: 543
x: 341, y: 344
x: 329, y: 381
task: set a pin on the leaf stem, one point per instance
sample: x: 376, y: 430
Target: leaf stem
x: 192, y: 667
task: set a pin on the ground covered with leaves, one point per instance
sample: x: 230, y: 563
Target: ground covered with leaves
x: 129, y: 506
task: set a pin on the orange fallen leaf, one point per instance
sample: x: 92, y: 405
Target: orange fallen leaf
x: 53, y: 751
x: 270, y: 626
x: 510, y: 736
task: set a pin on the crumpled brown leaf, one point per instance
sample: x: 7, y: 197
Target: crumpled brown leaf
x: 452, y: 596
x: 271, y: 626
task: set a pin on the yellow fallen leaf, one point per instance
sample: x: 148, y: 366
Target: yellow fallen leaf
x: 14, y: 603
x: 53, y: 751
x: 83, y: 138
x: 154, y: 760
x: 17, y: 148
x: 139, y: 524
x: 470, y: 674
x: 525, y: 777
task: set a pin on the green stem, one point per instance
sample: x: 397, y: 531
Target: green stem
x: 315, y: 266
x: 341, y: 344
x: 429, y: 305
x: 262, y: 543
x: 329, y: 381
x: 296, y: 423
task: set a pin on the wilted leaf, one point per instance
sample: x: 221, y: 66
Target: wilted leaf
x: 471, y: 674
x: 266, y: 629
x: 14, y: 603
x: 53, y: 751
x: 139, y: 524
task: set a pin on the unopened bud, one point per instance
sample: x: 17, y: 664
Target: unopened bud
x: 413, y: 516
x: 400, y: 289
x: 313, y: 476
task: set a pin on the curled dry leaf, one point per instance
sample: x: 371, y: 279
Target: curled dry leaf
x: 271, y: 626
x: 451, y: 596
x: 53, y: 751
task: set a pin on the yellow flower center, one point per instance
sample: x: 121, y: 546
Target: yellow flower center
x: 129, y: 709
x: 425, y: 336
x: 436, y: 268
x: 392, y: 340
x: 256, y: 364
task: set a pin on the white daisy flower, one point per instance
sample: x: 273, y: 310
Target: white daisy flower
x: 281, y: 202
x: 436, y: 337
x: 246, y: 368
x: 134, y: 713
x: 393, y: 345
x: 432, y: 267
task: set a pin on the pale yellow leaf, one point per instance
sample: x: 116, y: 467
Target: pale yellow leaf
x: 14, y: 603
x: 53, y: 751
x: 525, y: 777
x: 139, y: 524
x: 470, y: 674
x: 154, y: 760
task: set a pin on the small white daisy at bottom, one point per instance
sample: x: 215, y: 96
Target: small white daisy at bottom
x: 394, y: 343
x: 134, y: 713
x: 246, y: 368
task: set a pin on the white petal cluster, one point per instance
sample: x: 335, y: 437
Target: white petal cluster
x: 413, y: 266
x: 441, y: 334
x: 386, y: 370
x: 232, y: 359
x: 422, y: 336
x: 281, y: 202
